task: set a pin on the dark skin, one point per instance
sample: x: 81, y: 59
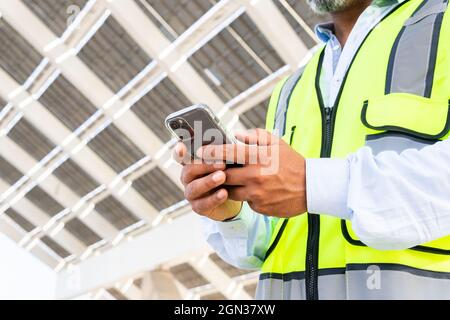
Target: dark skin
x: 345, y: 20
x: 217, y: 192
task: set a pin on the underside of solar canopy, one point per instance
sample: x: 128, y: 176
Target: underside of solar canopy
x: 87, y: 185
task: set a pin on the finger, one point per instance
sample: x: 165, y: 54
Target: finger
x: 258, y: 137
x: 237, y: 176
x: 234, y: 153
x: 191, y: 172
x: 180, y: 153
x: 238, y: 193
x: 199, y: 187
x: 205, y: 205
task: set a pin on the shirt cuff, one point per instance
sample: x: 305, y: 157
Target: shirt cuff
x: 237, y: 226
x: 327, y: 182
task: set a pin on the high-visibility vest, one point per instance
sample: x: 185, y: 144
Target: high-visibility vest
x: 395, y: 96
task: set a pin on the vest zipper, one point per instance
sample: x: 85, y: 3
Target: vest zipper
x: 328, y: 132
x: 328, y: 121
x: 312, y: 250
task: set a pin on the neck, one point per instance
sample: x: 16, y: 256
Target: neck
x: 345, y: 20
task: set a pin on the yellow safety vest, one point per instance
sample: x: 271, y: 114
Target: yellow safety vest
x: 395, y: 96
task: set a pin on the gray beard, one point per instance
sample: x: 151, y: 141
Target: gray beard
x: 326, y: 6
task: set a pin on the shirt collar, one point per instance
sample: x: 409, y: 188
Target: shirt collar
x: 325, y: 31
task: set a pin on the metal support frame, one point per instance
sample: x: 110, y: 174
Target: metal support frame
x: 144, y: 251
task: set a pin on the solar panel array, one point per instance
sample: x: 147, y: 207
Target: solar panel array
x: 234, y: 60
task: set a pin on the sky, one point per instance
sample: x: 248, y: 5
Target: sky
x: 22, y: 276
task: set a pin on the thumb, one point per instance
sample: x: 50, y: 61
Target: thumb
x: 258, y: 137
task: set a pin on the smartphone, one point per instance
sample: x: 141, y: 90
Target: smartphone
x: 198, y: 126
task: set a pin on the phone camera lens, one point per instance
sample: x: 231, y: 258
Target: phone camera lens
x: 182, y: 129
x: 175, y: 125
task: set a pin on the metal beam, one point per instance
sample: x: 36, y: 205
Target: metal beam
x: 87, y: 159
x: 84, y: 79
x: 219, y: 279
x: 172, y: 58
x: 159, y: 285
x: 11, y: 229
x: 129, y: 258
x: 37, y: 217
x: 54, y: 187
x: 257, y: 93
x: 129, y: 290
x: 283, y: 38
x: 168, y: 55
x: 15, y: 233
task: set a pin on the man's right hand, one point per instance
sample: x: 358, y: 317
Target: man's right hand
x: 202, y: 187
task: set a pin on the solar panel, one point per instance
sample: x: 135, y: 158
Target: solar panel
x: 30, y: 139
x: 231, y: 62
x: 8, y: 172
x: 256, y: 116
x: 307, y: 15
x: 56, y: 15
x: 117, y: 214
x: 28, y: 226
x: 113, y: 55
x: 82, y: 232
x: 20, y: 220
x: 17, y: 57
x: 227, y: 268
x: 44, y: 201
x: 229, y: 67
x: 158, y: 189
x: 154, y: 107
x: 55, y: 247
x: 310, y: 17
x: 179, y: 15
x: 116, y: 149
x: 75, y: 178
x: 188, y: 276
x: 67, y: 104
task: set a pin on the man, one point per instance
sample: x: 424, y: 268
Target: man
x: 367, y: 113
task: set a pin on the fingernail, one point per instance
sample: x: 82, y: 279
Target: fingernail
x: 178, y: 149
x: 221, y: 194
x: 218, y: 176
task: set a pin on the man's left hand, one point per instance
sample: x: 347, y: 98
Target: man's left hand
x: 272, y: 179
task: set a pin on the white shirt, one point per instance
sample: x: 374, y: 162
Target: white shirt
x: 394, y: 201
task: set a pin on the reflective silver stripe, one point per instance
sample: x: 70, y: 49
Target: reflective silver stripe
x: 416, y: 45
x: 283, y: 102
x: 332, y: 287
x: 277, y: 289
x: 394, y: 282
x: 367, y: 282
x: 392, y: 141
x: 291, y: 286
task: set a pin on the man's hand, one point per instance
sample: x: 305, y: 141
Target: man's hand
x: 203, y: 187
x: 272, y: 180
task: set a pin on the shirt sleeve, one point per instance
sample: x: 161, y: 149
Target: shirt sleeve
x: 243, y: 241
x: 394, y: 201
